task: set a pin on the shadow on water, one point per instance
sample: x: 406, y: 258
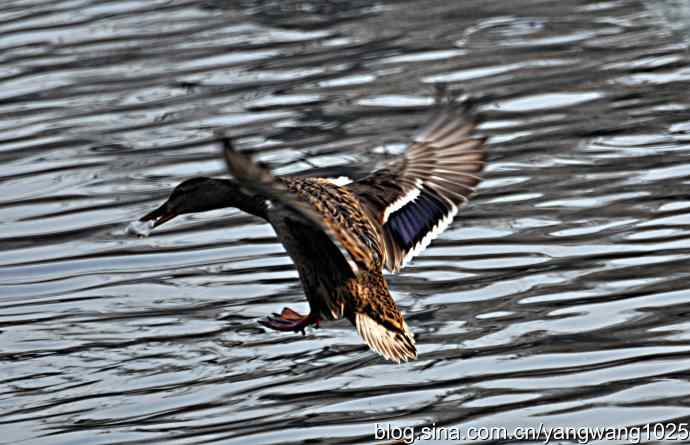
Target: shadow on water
x: 559, y: 297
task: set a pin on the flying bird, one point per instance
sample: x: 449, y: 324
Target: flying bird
x: 342, y: 234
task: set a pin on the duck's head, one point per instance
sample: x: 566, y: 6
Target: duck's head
x: 195, y: 195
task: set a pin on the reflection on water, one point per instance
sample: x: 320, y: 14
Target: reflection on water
x: 560, y: 296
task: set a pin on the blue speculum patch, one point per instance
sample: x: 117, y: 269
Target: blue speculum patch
x: 413, y: 221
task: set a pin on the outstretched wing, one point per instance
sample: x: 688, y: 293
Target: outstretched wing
x: 416, y: 197
x: 306, y: 201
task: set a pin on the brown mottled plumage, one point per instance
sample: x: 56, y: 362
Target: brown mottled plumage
x: 340, y: 237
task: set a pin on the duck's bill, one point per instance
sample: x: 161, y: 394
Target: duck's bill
x: 159, y: 216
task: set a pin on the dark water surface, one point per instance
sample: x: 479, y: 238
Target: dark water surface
x: 561, y: 296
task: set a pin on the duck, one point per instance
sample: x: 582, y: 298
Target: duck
x: 341, y: 234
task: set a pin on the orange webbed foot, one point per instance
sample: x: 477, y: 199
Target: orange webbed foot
x: 290, y: 321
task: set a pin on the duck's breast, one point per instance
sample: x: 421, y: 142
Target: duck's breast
x: 322, y: 269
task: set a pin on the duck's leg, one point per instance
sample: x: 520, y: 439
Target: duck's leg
x: 291, y: 321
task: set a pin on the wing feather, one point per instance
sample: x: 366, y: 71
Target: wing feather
x: 355, y: 246
x: 416, y: 197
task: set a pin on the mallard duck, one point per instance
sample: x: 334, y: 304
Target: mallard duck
x: 341, y: 235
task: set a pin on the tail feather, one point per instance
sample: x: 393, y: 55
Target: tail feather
x: 398, y: 346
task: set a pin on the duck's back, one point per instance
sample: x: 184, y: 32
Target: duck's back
x: 323, y: 269
x: 343, y: 212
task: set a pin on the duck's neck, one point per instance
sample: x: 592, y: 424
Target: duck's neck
x: 228, y: 193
